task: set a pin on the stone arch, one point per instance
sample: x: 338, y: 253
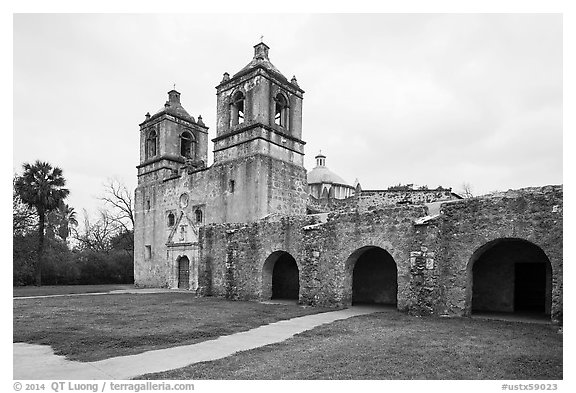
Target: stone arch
x: 237, y: 108
x: 509, y: 275
x: 151, y: 144
x: 281, y: 110
x: 187, y: 145
x: 371, y: 277
x: 280, y: 277
x: 183, y: 265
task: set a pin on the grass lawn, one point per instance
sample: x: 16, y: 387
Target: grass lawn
x: 89, y: 328
x: 65, y: 289
x: 393, y: 345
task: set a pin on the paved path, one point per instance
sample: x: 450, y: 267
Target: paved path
x: 33, y: 361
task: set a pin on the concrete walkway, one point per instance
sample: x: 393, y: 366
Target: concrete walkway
x: 33, y: 361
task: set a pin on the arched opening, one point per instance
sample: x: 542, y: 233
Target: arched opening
x: 374, y: 276
x: 510, y: 276
x: 183, y: 273
x: 186, y: 148
x: 237, y: 109
x: 151, y: 143
x: 198, y: 214
x: 280, y: 277
x: 171, y: 219
x: 281, y: 110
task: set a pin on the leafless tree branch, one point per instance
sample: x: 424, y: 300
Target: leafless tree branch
x: 117, y: 195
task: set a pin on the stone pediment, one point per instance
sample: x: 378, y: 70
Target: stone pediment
x: 184, y: 232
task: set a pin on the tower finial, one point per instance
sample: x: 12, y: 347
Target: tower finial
x: 261, y: 38
x: 174, y: 86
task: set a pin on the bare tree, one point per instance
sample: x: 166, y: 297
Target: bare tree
x: 97, y: 235
x: 467, y: 190
x: 117, y: 195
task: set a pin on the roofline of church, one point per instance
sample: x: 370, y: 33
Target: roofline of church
x: 276, y: 75
x: 160, y: 114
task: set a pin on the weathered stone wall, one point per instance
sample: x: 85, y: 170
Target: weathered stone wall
x: 330, y: 252
x: 233, y: 255
x: 368, y: 200
x: 325, y: 205
x: 533, y: 214
x: 433, y: 258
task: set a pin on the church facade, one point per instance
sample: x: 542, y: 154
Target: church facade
x: 254, y: 225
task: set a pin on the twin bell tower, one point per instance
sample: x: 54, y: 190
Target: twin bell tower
x: 258, y: 150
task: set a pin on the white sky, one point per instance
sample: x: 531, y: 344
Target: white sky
x: 430, y: 99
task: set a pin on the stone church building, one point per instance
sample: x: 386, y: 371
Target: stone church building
x: 256, y: 225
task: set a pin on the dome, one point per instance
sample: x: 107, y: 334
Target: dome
x: 322, y: 175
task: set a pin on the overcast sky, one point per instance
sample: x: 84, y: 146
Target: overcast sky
x: 429, y: 99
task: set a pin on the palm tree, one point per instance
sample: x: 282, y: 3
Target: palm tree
x: 42, y: 188
x: 70, y: 219
x: 61, y: 221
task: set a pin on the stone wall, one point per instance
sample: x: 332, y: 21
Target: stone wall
x: 332, y: 249
x: 368, y: 200
x: 434, y: 257
x: 233, y: 255
x: 465, y: 227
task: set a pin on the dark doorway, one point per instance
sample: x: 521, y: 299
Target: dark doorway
x: 530, y: 287
x: 285, y: 278
x: 374, y: 278
x: 184, y: 273
x: 511, y: 276
x: 280, y: 277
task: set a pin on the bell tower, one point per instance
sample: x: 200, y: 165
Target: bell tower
x: 259, y: 104
x: 258, y: 149
x: 170, y: 139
